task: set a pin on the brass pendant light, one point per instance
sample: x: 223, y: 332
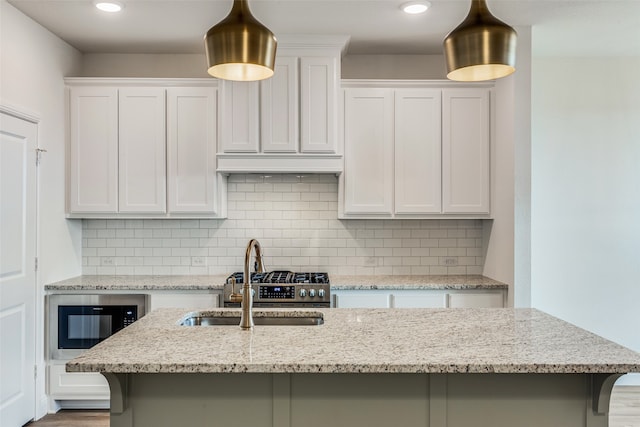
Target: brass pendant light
x: 481, y: 48
x: 239, y: 47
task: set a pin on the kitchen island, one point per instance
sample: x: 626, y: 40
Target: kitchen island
x: 362, y: 367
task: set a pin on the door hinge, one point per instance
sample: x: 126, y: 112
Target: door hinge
x: 35, y: 372
x: 36, y: 264
x: 39, y: 152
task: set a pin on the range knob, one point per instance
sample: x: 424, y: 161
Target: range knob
x: 321, y: 293
x: 312, y: 293
x: 303, y: 293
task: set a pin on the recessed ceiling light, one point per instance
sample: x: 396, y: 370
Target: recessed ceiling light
x: 415, y: 7
x: 109, y: 6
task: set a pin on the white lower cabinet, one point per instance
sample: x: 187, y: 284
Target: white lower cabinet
x: 361, y: 299
x: 76, y: 385
x: 477, y: 300
x: 410, y: 299
x: 423, y: 298
x: 186, y: 299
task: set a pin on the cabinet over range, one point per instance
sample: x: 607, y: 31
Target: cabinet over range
x: 282, y: 289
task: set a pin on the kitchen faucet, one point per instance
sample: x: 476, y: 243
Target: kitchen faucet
x: 246, y: 299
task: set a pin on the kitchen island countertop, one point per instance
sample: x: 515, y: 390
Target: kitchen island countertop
x: 362, y: 341
x: 216, y: 282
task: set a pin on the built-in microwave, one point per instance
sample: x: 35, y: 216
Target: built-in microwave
x: 78, y: 322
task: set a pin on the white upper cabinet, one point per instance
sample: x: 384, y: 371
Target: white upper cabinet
x: 143, y: 148
x: 319, y: 104
x: 279, y: 102
x: 240, y: 115
x: 465, y: 151
x: 368, y: 177
x: 289, y: 122
x: 415, y: 150
x: 265, y: 116
x: 191, y: 150
x: 93, y: 151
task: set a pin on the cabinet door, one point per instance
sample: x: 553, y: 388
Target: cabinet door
x: 191, y: 145
x: 319, y: 104
x: 362, y: 299
x: 477, y: 300
x: 417, y: 151
x: 188, y: 300
x: 76, y: 385
x: 368, y: 151
x: 279, y: 108
x: 465, y: 151
x: 141, y: 150
x: 421, y: 299
x: 93, y: 155
x: 240, y: 116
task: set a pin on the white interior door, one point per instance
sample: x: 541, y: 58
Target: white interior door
x: 17, y: 270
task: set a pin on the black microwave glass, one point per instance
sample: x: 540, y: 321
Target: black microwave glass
x: 83, y: 326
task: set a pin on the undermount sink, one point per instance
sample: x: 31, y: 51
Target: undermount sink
x: 259, y: 319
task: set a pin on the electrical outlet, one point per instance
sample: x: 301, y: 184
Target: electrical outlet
x: 371, y: 261
x: 108, y: 261
x: 198, y: 261
x: 450, y: 261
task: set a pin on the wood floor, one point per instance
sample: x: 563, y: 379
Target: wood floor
x: 624, y: 412
x: 74, y: 418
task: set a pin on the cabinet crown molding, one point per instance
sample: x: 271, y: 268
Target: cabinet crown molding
x: 288, y: 43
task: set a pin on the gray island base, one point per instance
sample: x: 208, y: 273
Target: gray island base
x: 402, y: 367
x: 350, y: 400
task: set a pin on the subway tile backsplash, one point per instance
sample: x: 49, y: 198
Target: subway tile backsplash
x: 295, y: 219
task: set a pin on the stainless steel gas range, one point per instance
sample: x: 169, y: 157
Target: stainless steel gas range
x: 282, y: 289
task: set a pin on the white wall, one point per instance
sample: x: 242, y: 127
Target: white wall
x: 586, y: 193
x: 144, y: 65
x: 507, y: 237
x: 194, y: 65
x: 33, y: 63
x: 394, y: 67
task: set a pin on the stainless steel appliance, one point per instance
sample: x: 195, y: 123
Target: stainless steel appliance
x: 282, y: 289
x: 78, y: 322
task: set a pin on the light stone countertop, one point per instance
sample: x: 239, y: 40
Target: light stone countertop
x: 414, y: 282
x: 362, y: 341
x: 137, y: 283
x: 180, y: 283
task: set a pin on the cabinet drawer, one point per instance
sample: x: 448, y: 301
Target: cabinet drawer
x: 422, y: 300
x: 476, y: 300
x: 77, y: 385
x: 190, y: 300
x: 362, y: 300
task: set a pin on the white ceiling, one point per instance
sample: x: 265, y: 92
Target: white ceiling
x: 560, y: 27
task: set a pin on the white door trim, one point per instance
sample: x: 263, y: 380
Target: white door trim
x: 20, y: 113
x: 40, y: 398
